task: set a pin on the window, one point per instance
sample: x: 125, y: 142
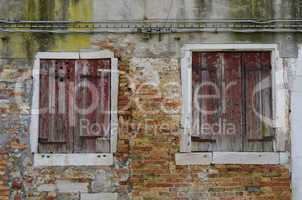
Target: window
x: 74, y: 108
x: 234, y: 105
x: 232, y: 101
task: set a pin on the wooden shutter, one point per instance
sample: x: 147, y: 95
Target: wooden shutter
x: 220, y: 75
x: 205, y: 111
x: 231, y: 138
x: 56, y: 78
x: 258, y: 102
x: 92, y: 126
x: 244, y: 106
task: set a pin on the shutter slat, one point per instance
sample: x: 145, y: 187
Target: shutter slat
x: 104, y: 111
x: 206, y: 111
x: 252, y: 67
x: 59, y: 132
x: 84, y: 99
x: 266, y: 96
x: 267, y: 124
x: 260, y: 134
x: 96, y: 75
x: 58, y: 102
x: 52, y: 103
x: 253, y: 99
x: 259, y: 85
x: 96, y: 86
x: 196, y: 76
x: 43, y: 101
x: 230, y: 138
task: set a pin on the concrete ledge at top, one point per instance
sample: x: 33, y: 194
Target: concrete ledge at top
x: 57, y: 160
x: 249, y: 158
x: 99, y: 196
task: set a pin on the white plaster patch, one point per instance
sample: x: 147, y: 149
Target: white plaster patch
x: 9, y: 75
x: 149, y: 75
x: 101, y: 182
x: 70, y: 187
x: 151, y: 68
x: 203, y: 176
x: 4, y: 103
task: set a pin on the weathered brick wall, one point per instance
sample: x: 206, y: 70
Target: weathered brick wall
x: 18, y: 179
x: 149, y: 137
x: 154, y: 174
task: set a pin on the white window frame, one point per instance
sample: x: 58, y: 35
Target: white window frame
x: 279, y: 156
x: 74, y: 159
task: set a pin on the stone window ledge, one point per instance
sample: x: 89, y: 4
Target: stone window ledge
x: 99, y: 196
x: 89, y: 159
x: 251, y: 158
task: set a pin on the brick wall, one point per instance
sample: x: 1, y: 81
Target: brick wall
x: 154, y: 174
x: 144, y: 165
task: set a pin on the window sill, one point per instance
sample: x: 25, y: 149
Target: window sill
x: 83, y: 159
x: 250, y: 158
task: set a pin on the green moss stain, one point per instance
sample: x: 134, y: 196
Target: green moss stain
x: 58, y: 9
x: 71, y: 42
x: 80, y: 10
x: 26, y: 45
x: 253, y: 9
x: 40, y: 9
x: 77, y: 10
x: 257, y: 9
x: 252, y: 37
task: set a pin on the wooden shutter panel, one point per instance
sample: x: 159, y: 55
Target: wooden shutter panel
x: 237, y: 76
x: 221, y: 129
x: 55, y: 133
x: 230, y: 138
x: 205, y: 111
x: 93, y: 106
x: 44, y: 101
x: 258, y: 102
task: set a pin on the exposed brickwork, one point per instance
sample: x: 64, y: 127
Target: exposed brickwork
x: 154, y: 174
x: 4, y: 188
x: 148, y: 140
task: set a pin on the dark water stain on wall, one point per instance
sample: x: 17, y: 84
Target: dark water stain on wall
x: 56, y: 10
x: 5, y: 51
x: 256, y: 9
x: 202, y: 8
x: 253, y: 37
x: 43, y: 10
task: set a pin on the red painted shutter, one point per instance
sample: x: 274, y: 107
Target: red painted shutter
x: 241, y: 120
x: 205, y: 109
x: 44, y: 101
x: 55, y: 133
x: 93, y: 106
x: 230, y: 138
x: 258, y: 93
